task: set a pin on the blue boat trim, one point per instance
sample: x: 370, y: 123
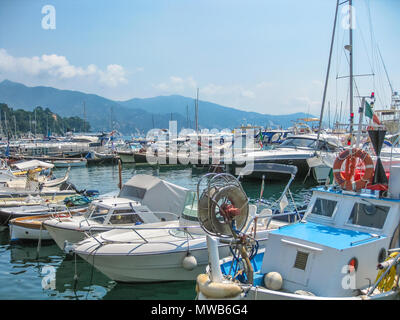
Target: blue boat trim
x: 337, y: 238
x: 256, y: 262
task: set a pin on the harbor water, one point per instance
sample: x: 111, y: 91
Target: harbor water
x: 49, y: 274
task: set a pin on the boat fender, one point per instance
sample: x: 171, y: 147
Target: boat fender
x: 217, y: 290
x: 273, y: 280
x: 189, y: 262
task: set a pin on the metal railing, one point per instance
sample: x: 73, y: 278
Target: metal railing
x: 136, y: 229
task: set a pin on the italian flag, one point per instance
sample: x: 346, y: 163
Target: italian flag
x: 370, y: 113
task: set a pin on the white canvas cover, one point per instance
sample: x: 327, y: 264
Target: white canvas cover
x: 158, y: 195
x: 32, y: 164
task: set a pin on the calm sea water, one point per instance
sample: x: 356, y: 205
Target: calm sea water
x: 23, y: 273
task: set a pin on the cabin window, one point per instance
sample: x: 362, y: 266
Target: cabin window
x: 125, y: 217
x: 299, y: 142
x: 324, y: 146
x: 324, y: 207
x: 368, y: 215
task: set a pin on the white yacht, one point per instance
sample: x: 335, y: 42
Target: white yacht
x: 295, y: 150
x: 175, y: 250
x: 143, y: 199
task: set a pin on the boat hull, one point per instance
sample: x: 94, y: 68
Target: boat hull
x: 303, y: 170
x: 160, y: 267
x: 18, y: 233
x: 60, y: 235
x: 159, y: 260
x: 66, y: 164
x: 126, y: 157
x: 260, y: 293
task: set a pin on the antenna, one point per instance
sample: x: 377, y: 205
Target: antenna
x: 387, y: 75
x: 197, y: 111
x: 187, y: 116
x: 327, y: 74
x: 111, y: 118
x: 84, y: 117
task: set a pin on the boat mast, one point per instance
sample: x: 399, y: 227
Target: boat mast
x: 197, y: 111
x: 327, y: 75
x: 351, y: 65
x: 84, y: 117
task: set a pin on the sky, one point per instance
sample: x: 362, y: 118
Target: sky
x: 258, y: 55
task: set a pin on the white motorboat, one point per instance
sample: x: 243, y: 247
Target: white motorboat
x: 295, y: 150
x: 143, y: 199
x: 177, y: 250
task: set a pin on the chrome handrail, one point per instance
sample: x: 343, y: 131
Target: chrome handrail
x: 134, y: 229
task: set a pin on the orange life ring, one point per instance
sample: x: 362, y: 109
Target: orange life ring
x: 350, y: 156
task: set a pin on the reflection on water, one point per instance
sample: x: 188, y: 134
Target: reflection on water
x: 51, y: 275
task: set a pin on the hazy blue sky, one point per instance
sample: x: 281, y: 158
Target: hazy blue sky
x: 264, y: 56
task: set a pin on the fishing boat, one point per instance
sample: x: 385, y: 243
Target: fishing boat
x: 177, y: 250
x: 142, y: 199
x: 33, y: 206
x: 21, y: 168
x: 53, y: 182
x: 349, y: 234
x: 36, y: 170
x: 31, y: 227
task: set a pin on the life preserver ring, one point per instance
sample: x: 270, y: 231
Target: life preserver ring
x: 350, y: 156
x: 217, y: 290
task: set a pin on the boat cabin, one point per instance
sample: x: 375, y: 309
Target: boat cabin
x: 335, y: 249
x: 116, y: 211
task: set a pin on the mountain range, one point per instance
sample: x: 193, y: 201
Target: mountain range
x: 136, y: 114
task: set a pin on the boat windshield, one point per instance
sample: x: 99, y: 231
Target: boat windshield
x: 98, y: 213
x: 368, y: 215
x: 125, y: 216
x: 324, y: 207
x: 190, y: 208
x: 297, y: 143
